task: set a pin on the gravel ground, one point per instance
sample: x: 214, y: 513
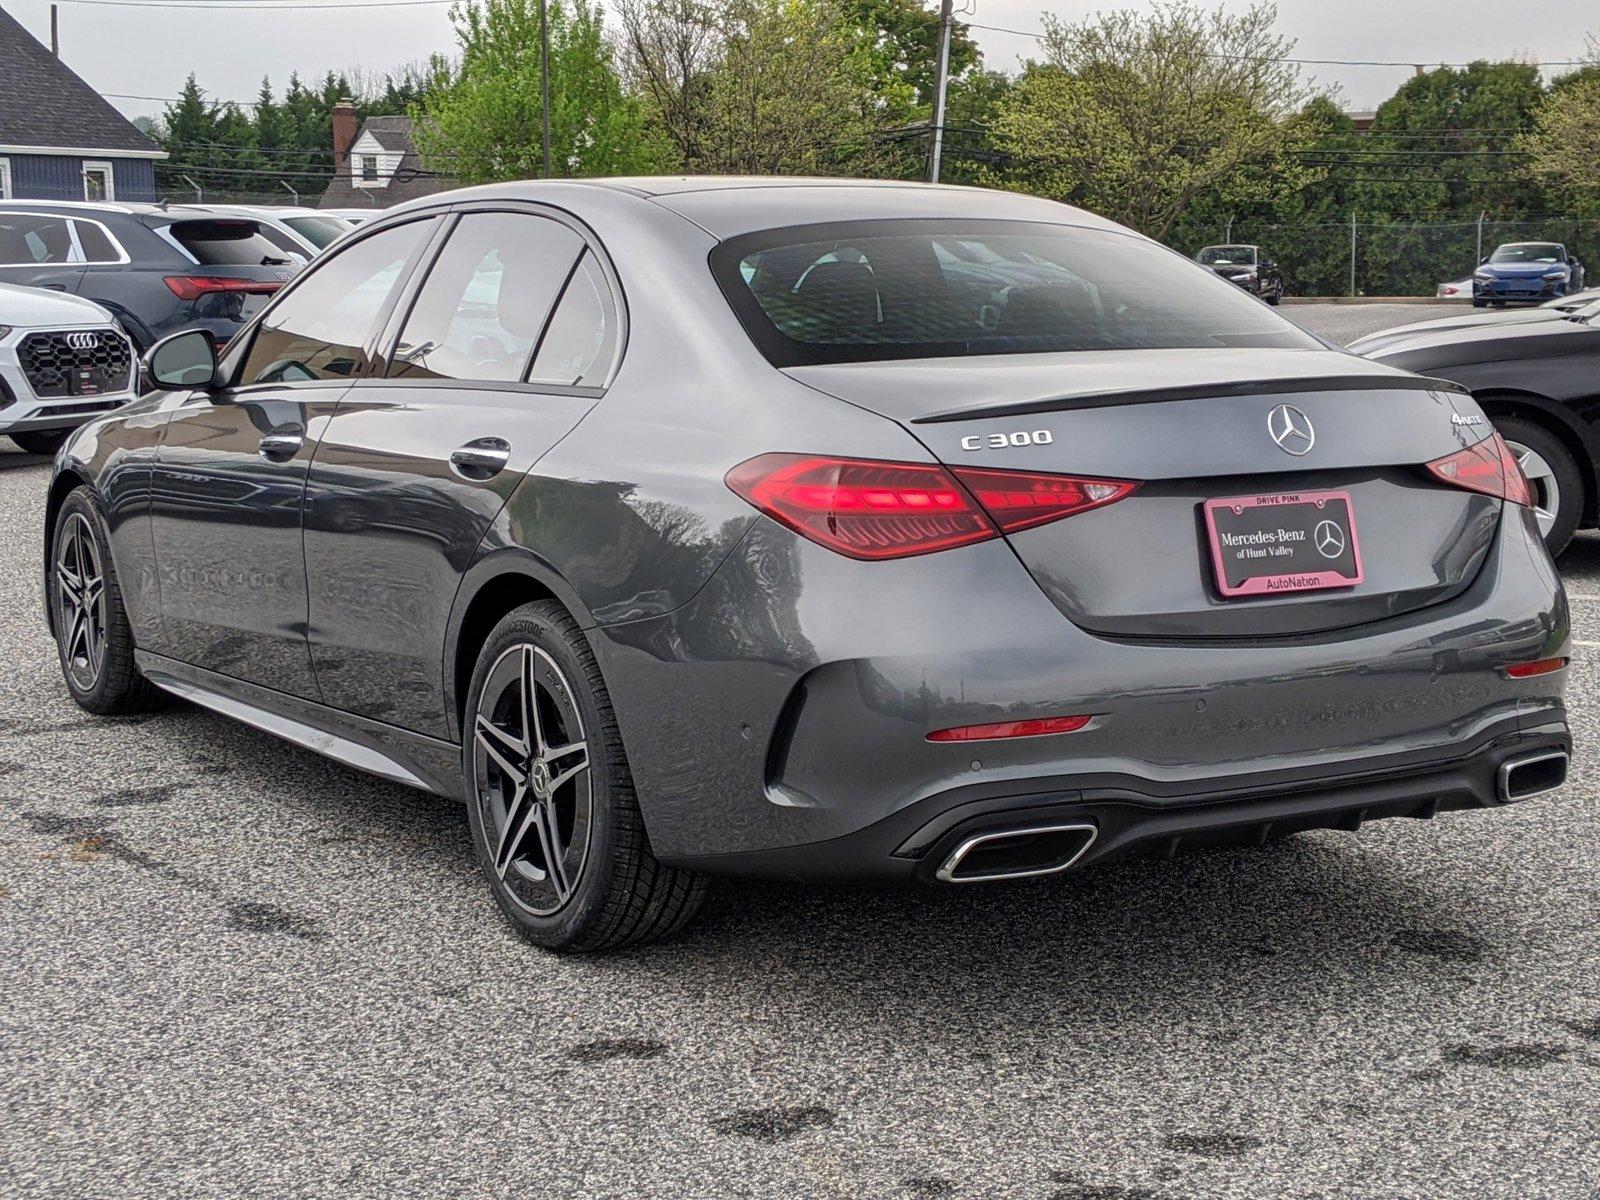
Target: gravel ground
x: 229, y: 968
x: 1344, y: 323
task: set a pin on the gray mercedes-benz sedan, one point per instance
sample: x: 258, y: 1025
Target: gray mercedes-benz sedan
x: 812, y: 528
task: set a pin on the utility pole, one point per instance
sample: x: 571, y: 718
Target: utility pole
x: 941, y: 85
x: 55, y: 30
x: 544, y: 82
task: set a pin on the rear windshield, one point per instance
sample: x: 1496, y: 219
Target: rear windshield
x: 229, y: 244
x: 856, y: 291
x: 320, y: 231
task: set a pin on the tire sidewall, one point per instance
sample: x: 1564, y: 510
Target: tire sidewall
x: 1568, y: 477
x: 82, y: 503
x: 532, y: 624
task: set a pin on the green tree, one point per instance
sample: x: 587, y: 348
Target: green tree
x: 480, y: 121
x: 1138, y: 116
x: 1564, y: 144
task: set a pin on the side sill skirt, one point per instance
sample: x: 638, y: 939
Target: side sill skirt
x: 227, y: 696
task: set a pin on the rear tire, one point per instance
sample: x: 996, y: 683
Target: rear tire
x: 1552, y: 473
x: 93, y: 638
x: 40, y: 441
x: 563, y: 795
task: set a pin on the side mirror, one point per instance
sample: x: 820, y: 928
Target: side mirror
x: 184, y: 360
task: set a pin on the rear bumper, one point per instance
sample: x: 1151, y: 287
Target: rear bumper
x: 1134, y: 816
x: 767, y: 719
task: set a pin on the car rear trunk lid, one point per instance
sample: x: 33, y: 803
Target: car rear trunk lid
x: 1192, y: 427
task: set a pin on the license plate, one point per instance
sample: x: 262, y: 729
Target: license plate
x: 1288, y: 542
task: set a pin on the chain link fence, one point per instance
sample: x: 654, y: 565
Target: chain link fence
x: 1395, y: 258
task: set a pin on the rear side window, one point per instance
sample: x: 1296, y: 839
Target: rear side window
x: 97, y: 247
x: 933, y: 288
x: 579, y: 346
x: 27, y: 240
x: 487, y: 297
x: 229, y: 244
x: 321, y: 328
x: 320, y: 231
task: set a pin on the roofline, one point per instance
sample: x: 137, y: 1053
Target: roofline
x: 83, y: 152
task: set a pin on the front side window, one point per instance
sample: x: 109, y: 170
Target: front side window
x: 484, y: 304
x: 900, y: 289
x: 321, y: 328
x: 27, y: 240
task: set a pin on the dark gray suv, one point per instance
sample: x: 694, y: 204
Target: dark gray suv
x: 157, y: 269
x: 813, y: 529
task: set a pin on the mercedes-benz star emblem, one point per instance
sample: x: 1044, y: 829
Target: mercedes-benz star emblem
x: 83, y: 341
x: 1291, y: 429
x: 1329, y: 539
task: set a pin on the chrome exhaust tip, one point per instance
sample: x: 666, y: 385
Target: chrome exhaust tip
x: 1017, y: 853
x: 1531, y: 775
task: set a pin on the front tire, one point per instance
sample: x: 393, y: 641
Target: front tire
x: 40, y: 441
x: 1552, y: 474
x: 93, y: 638
x: 550, y: 799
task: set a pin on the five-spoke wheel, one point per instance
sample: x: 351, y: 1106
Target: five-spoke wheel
x: 550, y: 799
x: 80, y: 601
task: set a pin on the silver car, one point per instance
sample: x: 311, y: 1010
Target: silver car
x: 813, y: 528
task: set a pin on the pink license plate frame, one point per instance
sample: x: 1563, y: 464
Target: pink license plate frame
x: 1292, y: 581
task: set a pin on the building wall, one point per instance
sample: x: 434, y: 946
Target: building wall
x: 60, y: 177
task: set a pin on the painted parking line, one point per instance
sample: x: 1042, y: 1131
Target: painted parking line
x: 1581, y: 596
x: 1586, y: 645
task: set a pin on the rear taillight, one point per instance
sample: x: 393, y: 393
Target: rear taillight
x: 875, y: 510
x: 1038, y: 727
x: 1530, y: 670
x: 1488, y: 467
x: 192, y: 287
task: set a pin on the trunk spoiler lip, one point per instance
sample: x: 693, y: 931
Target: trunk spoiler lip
x: 1198, y: 391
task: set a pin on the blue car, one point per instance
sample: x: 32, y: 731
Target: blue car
x: 1529, y: 272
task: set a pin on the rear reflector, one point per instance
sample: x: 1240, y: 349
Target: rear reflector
x: 1010, y: 729
x: 192, y: 287
x: 869, y: 509
x: 1528, y: 670
x: 1488, y: 467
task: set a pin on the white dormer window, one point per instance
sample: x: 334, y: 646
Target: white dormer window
x: 372, y: 165
x: 369, y: 168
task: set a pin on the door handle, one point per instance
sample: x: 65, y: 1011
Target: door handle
x: 282, y: 444
x: 481, y: 459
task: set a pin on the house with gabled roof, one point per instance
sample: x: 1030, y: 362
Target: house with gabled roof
x: 378, y: 166
x: 59, y: 138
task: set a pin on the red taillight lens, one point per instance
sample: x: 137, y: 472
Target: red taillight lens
x: 1019, y: 499
x: 192, y: 287
x: 868, y: 510
x: 1527, y: 670
x: 1010, y: 729
x: 874, y: 510
x: 1488, y: 467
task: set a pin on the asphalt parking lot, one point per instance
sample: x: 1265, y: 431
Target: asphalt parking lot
x: 229, y: 968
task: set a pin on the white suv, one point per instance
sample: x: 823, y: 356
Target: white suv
x: 63, y: 360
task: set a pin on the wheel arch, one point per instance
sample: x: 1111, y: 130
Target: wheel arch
x: 493, y: 587
x: 1560, y: 422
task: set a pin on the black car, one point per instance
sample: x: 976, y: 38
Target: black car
x: 159, y: 270
x: 1536, y: 378
x: 1247, y: 266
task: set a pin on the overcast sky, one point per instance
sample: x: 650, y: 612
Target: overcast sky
x: 147, y: 52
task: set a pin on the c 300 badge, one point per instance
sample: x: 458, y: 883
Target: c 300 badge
x: 1004, y: 441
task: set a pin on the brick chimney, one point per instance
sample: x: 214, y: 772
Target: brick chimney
x: 344, y: 133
